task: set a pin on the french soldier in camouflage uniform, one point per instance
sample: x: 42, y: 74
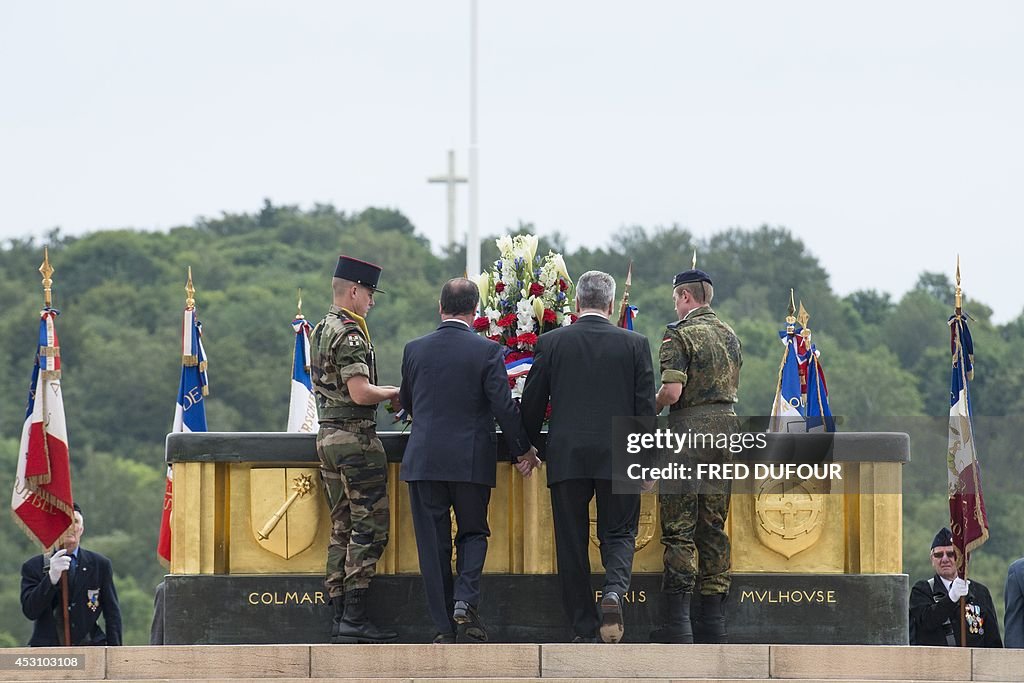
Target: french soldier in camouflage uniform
x: 700, y: 371
x: 353, y: 464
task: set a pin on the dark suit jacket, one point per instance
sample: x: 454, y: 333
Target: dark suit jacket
x: 592, y: 371
x: 454, y: 384
x: 931, y: 609
x: 92, y: 594
x: 1013, y: 617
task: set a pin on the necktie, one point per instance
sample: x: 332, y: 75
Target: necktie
x: 72, y: 571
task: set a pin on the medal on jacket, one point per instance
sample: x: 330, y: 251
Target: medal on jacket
x: 975, y: 622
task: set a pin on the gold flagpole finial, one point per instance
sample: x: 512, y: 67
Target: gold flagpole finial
x: 693, y: 263
x: 959, y: 292
x: 299, y: 315
x: 190, y: 291
x: 46, y: 270
x: 803, y: 317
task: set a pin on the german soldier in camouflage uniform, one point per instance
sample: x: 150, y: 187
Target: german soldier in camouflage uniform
x: 700, y: 372
x: 353, y: 464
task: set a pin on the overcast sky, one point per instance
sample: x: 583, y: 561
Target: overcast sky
x: 889, y: 136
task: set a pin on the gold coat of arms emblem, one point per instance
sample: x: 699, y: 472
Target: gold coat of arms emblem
x: 789, y: 516
x: 284, y: 508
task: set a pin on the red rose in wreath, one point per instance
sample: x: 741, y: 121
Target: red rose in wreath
x: 528, y: 338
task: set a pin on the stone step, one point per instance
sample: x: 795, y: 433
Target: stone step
x: 502, y: 680
x: 517, y: 663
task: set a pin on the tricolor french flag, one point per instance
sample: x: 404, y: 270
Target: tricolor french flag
x: 189, y: 413
x: 302, y: 406
x: 968, y: 518
x: 42, y: 500
x: 787, y: 410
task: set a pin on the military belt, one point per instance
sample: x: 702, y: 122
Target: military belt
x: 701, y: 410
x: 348, y: 413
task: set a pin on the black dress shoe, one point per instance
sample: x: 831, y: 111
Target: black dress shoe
x: 611, y: 618
x: 471, y: 626
x: 444, y: 639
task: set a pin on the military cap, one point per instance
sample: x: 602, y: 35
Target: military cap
x: 943, y: 538
x: 354, y: 270
x: 688, y: 276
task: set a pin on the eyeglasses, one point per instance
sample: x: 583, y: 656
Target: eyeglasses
x: 951, y: 554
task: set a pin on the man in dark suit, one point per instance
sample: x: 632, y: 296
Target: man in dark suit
x: 935, y: 603
x: 454, y: 384
x: 591, y: 371
x: 90, y: 593
x: 1013, y: 597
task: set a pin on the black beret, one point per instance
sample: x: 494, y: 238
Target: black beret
x: 354, y: 270
x: 943, y: 538
x: 688, y: 276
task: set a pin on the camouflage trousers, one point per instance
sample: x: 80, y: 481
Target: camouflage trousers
x: 353, y: 467
x: 693, y: 533
x: 693, y: 519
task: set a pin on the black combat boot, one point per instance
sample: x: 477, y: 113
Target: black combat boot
x: 338, y: 602
x: 712, y: 619
x: 356, y: 627
x: 677, y: 628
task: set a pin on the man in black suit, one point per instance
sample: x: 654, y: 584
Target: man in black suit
x: 591, y: 371
x: 935, y: 603
x: 90, y: 593
x: 454, y: 384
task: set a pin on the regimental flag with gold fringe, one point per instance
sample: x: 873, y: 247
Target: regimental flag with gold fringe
x: 788, y: 408
x: 302, y: 404
x: 627, y: 312
x: 818, y: 410
x: 190, y: 411
x: 968, y: 519
x: 801, y: 395
x: 42, y: 500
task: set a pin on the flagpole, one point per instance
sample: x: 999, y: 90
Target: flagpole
x: 625, y: 295
x: 958, y: 313
x: 473, y: 232
x: 790, y: 323
x: 46, y: 270
x: 805, y: 332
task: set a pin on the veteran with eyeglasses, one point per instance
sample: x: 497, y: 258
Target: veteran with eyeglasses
x: 935, y: 603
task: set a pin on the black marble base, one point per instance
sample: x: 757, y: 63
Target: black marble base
x: 762, y: 608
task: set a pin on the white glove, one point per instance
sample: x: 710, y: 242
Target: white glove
x: 59, y: 563
x: 958, y: 589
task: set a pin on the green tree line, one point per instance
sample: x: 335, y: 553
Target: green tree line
x: 121, y: 293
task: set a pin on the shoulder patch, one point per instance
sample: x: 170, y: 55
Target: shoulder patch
x: 666, y: 339
x: 354, y: 339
